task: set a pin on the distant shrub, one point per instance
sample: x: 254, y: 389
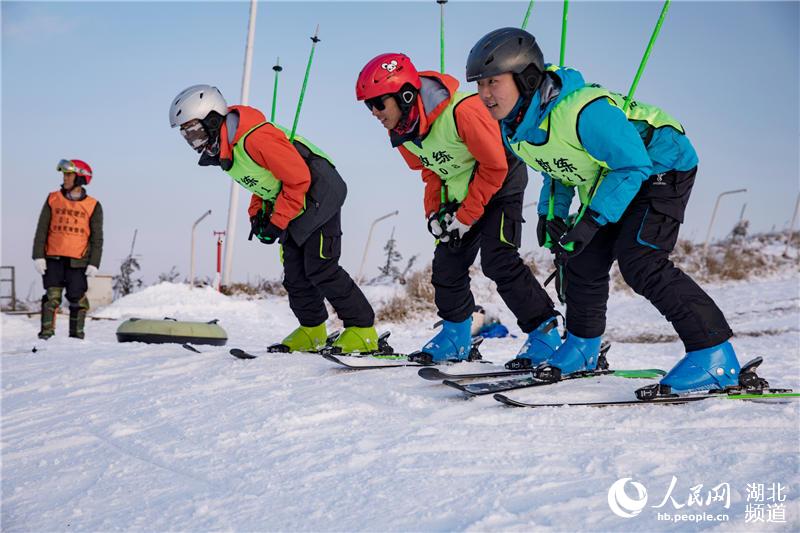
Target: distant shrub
x: 171, y: 276
x: 417, y: 297
x: 260, y: 288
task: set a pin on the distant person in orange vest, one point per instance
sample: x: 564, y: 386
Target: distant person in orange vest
x: 68, y: 246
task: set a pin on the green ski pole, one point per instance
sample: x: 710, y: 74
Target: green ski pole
x: 548, y: 243
x: 646, y: 55
x: 277, y: 68
x: 314, y: 40
x: 570, y: 246
x: 527, y: 15
x: 629, y: 98
x: 563, y: 33
x: 441, y: 34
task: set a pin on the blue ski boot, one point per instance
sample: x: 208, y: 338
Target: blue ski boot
x: 540, y: 346
x: 452, y: 343
x: 715, y: 368
x: 576, y: 354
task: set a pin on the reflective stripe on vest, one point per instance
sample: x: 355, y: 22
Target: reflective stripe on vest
x: 69, y: 231
x: 253, y: 176
x: 562, y: 155
x: 446, y: 154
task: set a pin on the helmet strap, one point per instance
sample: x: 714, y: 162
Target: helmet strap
x: 406, y: 99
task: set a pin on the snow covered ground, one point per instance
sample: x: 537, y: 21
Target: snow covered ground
x: 98, y: 435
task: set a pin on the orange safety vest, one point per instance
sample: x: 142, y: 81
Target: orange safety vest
x: 69, y: 226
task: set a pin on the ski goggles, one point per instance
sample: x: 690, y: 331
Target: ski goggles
x: 65, y: 165
x: 377, y: 102
x: 195, y: 134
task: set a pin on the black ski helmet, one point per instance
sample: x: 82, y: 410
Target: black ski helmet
x: 508, y: 50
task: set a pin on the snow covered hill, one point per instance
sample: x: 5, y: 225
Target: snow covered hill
x: 102, y: 436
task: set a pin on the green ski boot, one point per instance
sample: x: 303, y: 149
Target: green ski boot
x: 303, y: 339
x: 356, y: 340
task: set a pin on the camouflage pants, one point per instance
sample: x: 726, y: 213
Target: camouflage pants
x: 51, y: 301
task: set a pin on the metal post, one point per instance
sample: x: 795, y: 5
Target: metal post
x: 791, y: 227
x: 714, y: 214
x: 233, y: 204
x: 191, y: 258
x: 369, y: 238
x: 14, y: 287
x: 218, y: 235
x: 13, y: 282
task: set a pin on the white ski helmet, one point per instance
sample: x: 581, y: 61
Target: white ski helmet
x: 196, y: 102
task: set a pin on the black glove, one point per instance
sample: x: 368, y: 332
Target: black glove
x: 264, y: 230
x: 578, y: 237
x: 555, y: 228
x: 541, y: 230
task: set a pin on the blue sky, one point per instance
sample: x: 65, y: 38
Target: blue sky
x: 94, y: 81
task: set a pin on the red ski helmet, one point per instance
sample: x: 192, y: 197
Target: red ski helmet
x: 386, y: 74
x: 81, y: 169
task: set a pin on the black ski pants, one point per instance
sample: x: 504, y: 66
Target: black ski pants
x: 311, y: 274
x: 641, y: 242
x: 497, y: 235
x: 59, y: 273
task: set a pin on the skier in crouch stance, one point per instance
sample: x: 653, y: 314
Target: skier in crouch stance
x: 68, y: 246
x: 634, y: 175
x: 472, y: 201
x: 297, y: 200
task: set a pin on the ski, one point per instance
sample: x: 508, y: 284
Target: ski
x: 282, y: 348
x: 434, y: 374
x: 765, y: 396
x: 490, y: 387
x: 355, y: 362
x: 191, y: 348
x: 241, y: 354
x: 385, y: 351
x: 474, y: 356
